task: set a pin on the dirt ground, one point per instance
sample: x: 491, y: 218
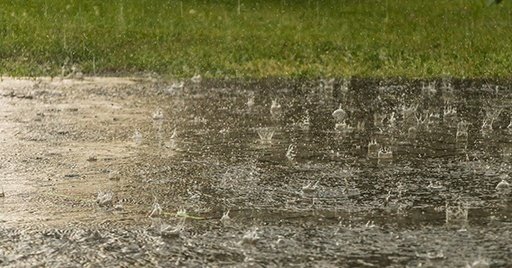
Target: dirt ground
x: 140, y: 172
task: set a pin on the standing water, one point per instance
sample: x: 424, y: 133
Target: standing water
x: 349, y: 173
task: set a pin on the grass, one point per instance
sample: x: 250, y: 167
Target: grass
x: 283, y: 38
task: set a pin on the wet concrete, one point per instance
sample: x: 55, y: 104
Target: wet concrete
x: 342, y: 173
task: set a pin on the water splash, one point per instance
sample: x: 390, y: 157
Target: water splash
x: 158, y: 114
x: 339, y: 115
x: 104, y: 199
x: 456, y: 213
x: 306, y: 121
x: 173, y: 141
x: 428, y: 88
x: 250, y: 102
x: 408, y: 114
x: 412, y: 133
x: 196, y: 79
x: 327, y: 84
x: 250, y: 237
x: 491, y: 114
x: 373, y: 149
x: 479, y: 263
x: 175, y: 88
x: 275, y: 110
x: 156, y: 210
x: 291, y: 153
x: 385, y: 153
x: 226, y: 219
x: 309, y: 188
x: 449, y: 111
x: 503, y: 187
x: 462, y: 131
x: 378, y: 120
x: 265, y: 134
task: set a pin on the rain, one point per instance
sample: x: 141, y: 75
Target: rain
x: 255, y: 133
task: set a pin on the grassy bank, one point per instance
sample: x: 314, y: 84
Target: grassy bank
x: 219, y: 38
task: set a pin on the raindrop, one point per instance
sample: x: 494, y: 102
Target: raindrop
x: 92, y: 158
x: 167, y: 230
x: 503, y: 186
x: 412, y: 133
x: 479, y: 263
x: 225, y: 219
x: 446, y: 85
x: 462, y: 131
x: 327, y: 84
x: 385, y: 153
x: 118, y: 207
x: 310, y: 188
x: 456, y: 214
x: 343, y: 127
x: 339, y: 115
x: 265, y: 134
x: 428, y: 88
x: 423, y: 120
x: 196, y: 79
x: 250, y: 237
x: 378, y: 120
x: 158, y: 115
x: 409, y: 113
x: 172, y: 143
x: 114, y: 176
x: 486, y: 126
x: 250, y: 102
x: 373, y: 149
x: 156, y: 210
x: 104, y: 199
x: 392, y: 120
x: 432, y: 185
x: 449, y: 111
x: 290, y: 152
x: 175, y: 88
x: 275, y: 109
x: 360, y: 126
x: 370, y: 225
x: 306, y: 121
x: 137, y: 137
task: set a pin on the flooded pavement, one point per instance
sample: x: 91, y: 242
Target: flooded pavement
x: 327, y: 173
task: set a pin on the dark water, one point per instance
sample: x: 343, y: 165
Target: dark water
x: 405, y: 173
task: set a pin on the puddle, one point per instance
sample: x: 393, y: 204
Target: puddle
x: 355, y: 173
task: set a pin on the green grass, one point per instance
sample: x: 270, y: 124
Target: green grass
x: 285, y: 38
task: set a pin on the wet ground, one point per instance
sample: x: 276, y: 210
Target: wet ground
x: 327, y: 173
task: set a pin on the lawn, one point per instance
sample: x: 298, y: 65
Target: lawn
x: 254, y: 39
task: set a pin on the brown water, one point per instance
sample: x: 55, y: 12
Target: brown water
x: 122, y: 171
